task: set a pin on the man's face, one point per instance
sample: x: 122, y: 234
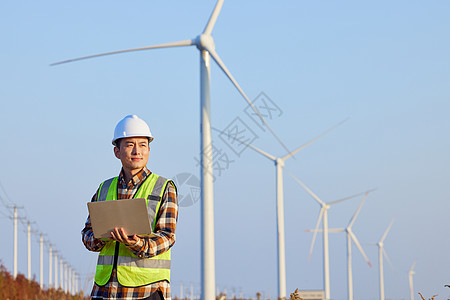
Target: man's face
x: 133, y: 153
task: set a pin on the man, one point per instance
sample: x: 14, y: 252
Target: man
x: 133, y: 267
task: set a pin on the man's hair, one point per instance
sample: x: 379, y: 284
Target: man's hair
x: 118, y: 141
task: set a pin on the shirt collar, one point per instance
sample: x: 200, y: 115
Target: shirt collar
x: 136, y: 179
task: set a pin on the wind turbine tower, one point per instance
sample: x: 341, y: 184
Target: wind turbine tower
x: 410, y: 277
x: 381, y: 253
x: 352, y: 237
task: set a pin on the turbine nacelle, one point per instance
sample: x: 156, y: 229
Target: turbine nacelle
x: 279, y: 162
x: 204, y: 42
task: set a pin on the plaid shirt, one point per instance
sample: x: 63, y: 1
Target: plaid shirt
x: 163, y: 239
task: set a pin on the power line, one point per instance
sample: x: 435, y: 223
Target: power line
x: 4, y: 215
x: 6, y: 194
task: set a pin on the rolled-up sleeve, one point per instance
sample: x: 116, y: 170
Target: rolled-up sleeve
x: 87, y: 235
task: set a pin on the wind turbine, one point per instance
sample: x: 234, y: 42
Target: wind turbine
x: 323, y: 216
x: 205, y: 44
x: 351, y: 236
x: 411, y: 284
x: 381, y: 253
x: 279, y: 164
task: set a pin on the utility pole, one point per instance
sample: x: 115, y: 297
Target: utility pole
x: 73, y: 281
x: 181, y: 290
x: 29, y: 249
x: 61, y: 273
x: 29, y: 232
x: 41, y: 269
x: 65, y: 277
x: 76, y: 283
x: 15, y: 241
x: 69, y: 288
x: 56, y: 270
x: 50, y: 265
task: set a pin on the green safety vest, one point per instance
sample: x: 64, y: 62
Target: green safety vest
x: 133, y: 271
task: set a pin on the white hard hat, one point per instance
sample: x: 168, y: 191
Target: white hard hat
x: 131, y: 126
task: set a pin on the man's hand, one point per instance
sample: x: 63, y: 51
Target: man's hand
x: 120, y: 235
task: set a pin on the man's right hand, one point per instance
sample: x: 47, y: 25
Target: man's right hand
x: 120, y: 235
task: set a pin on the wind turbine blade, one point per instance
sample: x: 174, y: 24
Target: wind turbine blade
x: 213, y: 18
x: 220, y: 63
x: 332, y: 230
x: 247, y: 144
x: 411, y: 270
x: 387, y: 258
x: 347, y: 198
x: 358, y: 245
x: 355, y: 215
x: 260, y: 151
x: 387, y: 231
x: 313, y: 140
x: 315, y: 233
x: 306, y: 188
x: 166, y: 45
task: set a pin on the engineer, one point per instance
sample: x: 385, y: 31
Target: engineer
x: 134, y: 267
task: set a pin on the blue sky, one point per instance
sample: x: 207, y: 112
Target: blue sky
x: 383, y: 64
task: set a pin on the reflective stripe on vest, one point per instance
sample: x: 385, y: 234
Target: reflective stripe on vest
x: 131, y: 262
x: 154, y: 199
x: 132, y: 270
x: 104, y: 188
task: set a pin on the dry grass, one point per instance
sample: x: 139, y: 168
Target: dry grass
x: 22, y: 288
x: 296, y: 295
x: 432, y: 298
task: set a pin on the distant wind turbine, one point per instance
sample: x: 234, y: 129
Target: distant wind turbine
x: 381, y: 253
x: 351, y: 236
x: 279, y: 164
x: 323, y: 216
x: 410, y: 276
x: 205, y: 44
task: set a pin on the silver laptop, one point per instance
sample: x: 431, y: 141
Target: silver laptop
x: 131, y: 214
